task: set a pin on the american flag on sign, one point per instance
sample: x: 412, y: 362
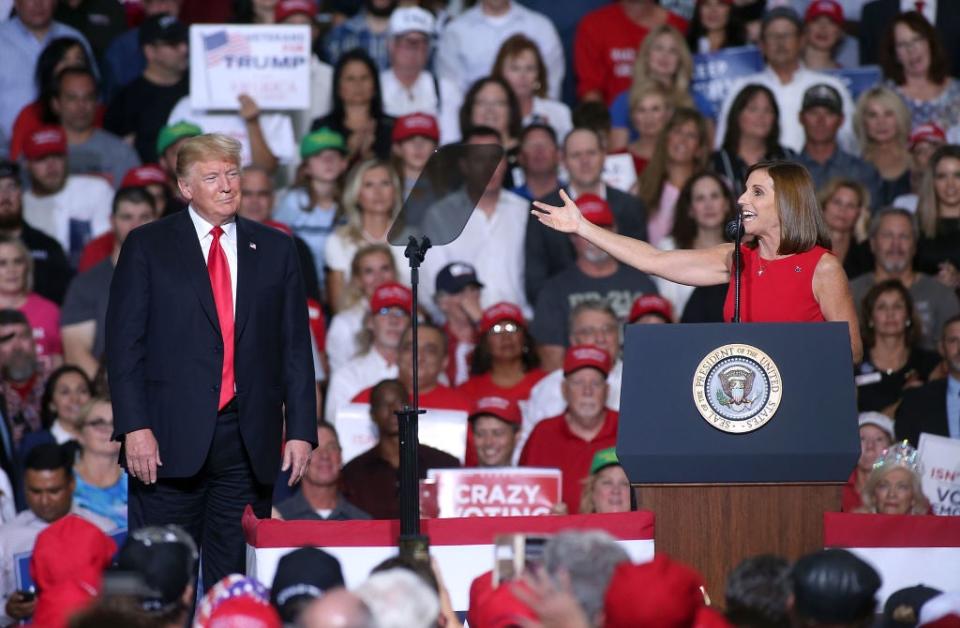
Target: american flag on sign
x: 221, y: 44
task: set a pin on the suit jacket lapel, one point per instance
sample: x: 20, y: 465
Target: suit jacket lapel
x: 194, y: 266
x: 246, y: 275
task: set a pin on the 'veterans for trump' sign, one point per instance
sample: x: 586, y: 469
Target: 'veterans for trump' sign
x: 271, y: 64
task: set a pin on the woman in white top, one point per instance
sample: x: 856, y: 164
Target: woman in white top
x: 703, y: 208
x: 519, y: 63
x: 372, y: 266
x: 371, y: 202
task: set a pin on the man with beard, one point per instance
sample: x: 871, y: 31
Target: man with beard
x: 51, y: 270
x: 367, y: 30
x: 21, y: 379
x: 371, y: 480
x: 893, y: 240
x: 70, y: 208
x: 596, y: 275
x: 569, y: 441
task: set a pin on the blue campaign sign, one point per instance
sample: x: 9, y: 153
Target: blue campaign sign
x: 22, y: 561
x: 713, y: 72
x: 858, y: 80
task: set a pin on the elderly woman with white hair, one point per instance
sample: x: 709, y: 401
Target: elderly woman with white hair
x: 876, y: 436
x: 893, y: 486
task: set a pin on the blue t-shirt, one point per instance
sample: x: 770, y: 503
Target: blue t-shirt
x: 313, y: 225
x: 110, y: 501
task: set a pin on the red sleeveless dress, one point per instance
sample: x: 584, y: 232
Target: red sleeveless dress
x: 776, y: 291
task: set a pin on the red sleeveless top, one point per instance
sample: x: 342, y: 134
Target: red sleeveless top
x: 776, y: 291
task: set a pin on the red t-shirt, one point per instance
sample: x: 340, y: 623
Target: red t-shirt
x: 850, y: 499
x: 552, y: 444
x: 605, y: 48
x: 480, y: 386
x: 776, y: 291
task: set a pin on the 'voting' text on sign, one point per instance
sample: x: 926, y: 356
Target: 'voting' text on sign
x: 271, y: 64
x: 491, y: 492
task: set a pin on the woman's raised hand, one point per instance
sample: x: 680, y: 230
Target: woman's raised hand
x: 566, y: 218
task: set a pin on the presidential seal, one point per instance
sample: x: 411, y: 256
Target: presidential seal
x: 737, y: 388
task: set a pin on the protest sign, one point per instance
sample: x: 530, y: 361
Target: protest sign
x: 858, y: 80
x: 445, y: 430
x: 490, y: 492
x: 940, y: 459
x: 269, y: 63
x: 714, y: 72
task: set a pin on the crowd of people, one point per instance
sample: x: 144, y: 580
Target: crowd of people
x: 521, y: 326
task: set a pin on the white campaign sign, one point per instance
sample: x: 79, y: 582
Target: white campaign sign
x: 940, y: 457
x: 271, y: 64
x: 445, y: 430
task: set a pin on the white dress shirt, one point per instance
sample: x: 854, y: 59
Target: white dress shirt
x: 469, y: 44
x: 341, y: 343
x: 493, y: 244
x: 228, y: 242
x: 355, y: 376
x: 789, y: 100
x: 421, y: 97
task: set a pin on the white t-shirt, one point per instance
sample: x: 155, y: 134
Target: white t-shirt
x: 552, y: 112
x: 421, y: 97
x: 339, y: 250
x: 342, y: 335
x: 74, y: 215
x: 276, y: 126
x: 355, y: 376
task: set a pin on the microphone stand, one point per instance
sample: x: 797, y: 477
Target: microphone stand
x: 412, y: 544
x: 735, y: 230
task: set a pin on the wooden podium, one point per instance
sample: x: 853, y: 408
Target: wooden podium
x: 731, y: 486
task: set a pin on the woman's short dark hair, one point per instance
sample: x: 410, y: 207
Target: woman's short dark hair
x: 338, y: 112
x: 914, y: 324
x: 47, y: 415
x: 512, y: 47
x: 684, y: 226
x: 735, y: 33
x: 482, y: 361
x: 801, y: 222
x: 731, y: 139
x: 939, y: 62
x: 515, y: 119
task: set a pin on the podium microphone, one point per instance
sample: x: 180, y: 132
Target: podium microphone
x: 734, y: 231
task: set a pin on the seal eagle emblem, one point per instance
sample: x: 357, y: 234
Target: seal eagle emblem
x: 737, y: 388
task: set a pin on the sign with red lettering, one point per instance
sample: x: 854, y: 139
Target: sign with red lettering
x: 490, y: 492
x: 940, y: 458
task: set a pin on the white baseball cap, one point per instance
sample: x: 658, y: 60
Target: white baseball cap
x: 877, y: 419
x: 412, y: 19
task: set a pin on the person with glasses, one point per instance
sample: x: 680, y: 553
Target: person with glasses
x: 390, y: 309
x: 595, y: 274
x: 319, y: 497
x: 570, y: 440
x: 101, y: 482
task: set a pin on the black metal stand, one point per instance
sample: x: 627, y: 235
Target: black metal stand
x: 412, y: 543
x: 735, y: 231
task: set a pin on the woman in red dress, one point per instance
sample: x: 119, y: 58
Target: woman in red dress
x: 789, y: 274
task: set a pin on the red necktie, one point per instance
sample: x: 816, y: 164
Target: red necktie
x: 223, y: 297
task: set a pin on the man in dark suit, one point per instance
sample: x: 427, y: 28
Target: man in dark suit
x: 547, y: 252
x: 208, y: 351
x: 935, y: 407
x: 876, y: 17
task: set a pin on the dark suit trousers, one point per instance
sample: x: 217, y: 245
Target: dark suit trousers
x: 210, y: 504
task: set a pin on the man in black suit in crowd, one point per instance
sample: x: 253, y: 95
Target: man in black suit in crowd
x: 547, y: 252
x: 935, y: 407
x: 209, y: 360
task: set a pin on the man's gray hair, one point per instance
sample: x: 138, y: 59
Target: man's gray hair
x: 592, y: 305
x: 589, y: 556
x: 398, y: 598
x: 894, y: 211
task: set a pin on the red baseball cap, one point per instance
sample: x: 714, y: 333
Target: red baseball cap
x: 244, y: 611
x: 829, y: 8
x: 661, y: 592
x: 45, y: 141
x: 502, y: 609
x: 651, y: 304
x: 927, y: 132
x: 500, y: 312
x: 502, y: 408
x: 583, y: 356
x: 286, y: 8
x: 415, y: 125
x: 392, y: 294
x: 595, y: 209
x: 147, y: 174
